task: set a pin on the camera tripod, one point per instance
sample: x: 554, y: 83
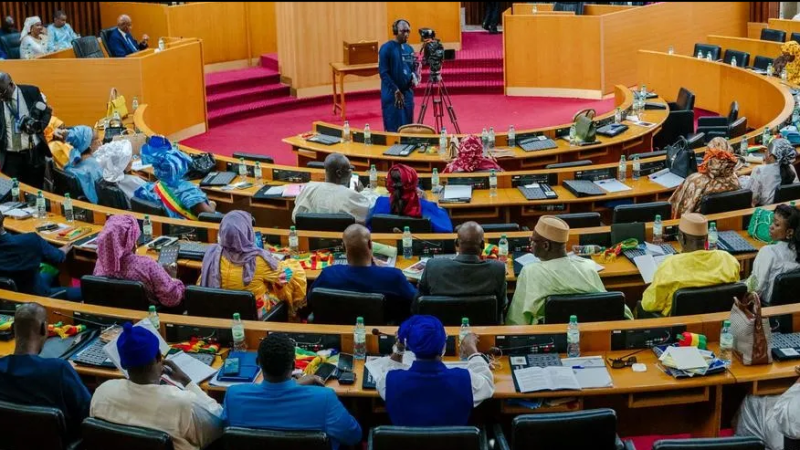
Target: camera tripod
x: 436, y: 91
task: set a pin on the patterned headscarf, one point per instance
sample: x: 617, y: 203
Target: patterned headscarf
x: 718, y: 160
x: 408, y: 190
x: 783, y: 151
x: 470, y: 158
x: 116, y: 241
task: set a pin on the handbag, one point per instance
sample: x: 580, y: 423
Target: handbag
x: 585, y: 127
x: 116, y: 103
x: 137, y: 140
x: 758, y: 228
x: 751, y: 333
x: 202, y: 164
x: 681, y: 160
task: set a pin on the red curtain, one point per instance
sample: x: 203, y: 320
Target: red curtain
x: 763, y: 11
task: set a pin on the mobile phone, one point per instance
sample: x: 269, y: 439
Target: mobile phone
x: 325, y: 371
x: 47, y: 227
x: 347, y: 378
x: 259, y: 240
x: 244, y: 185
x: 345, y: 362
x: 353, y: 181
x: 162, y: 241
x: 231, y: 367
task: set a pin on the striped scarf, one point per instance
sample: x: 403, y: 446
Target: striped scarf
x: 171, y: 202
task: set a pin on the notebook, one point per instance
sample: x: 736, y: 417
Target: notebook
x: 457, y: 193
x: 553, y: 378
x: 248, y: 368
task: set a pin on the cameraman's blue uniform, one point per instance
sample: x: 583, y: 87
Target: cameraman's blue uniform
x: 396, y: 74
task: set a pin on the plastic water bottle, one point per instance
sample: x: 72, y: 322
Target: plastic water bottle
x: 491, y: 137
x: 623, y: 169
x: 671, y: 50
x: 765, y: 137
x: 242, y: 168
x: 618, y: 115
x: 708, y: 56
x: 41, y: 206
x: 713, y: 236
x: 435, y: 186
x: 637, y: 167
x: 14, y: 190
x: 443, y: 142
x: 373, y: 177
x: 237, y: 329
x: 726, y: 343
x: 733, y: 61
x: 408, y: 245
x: 502, y: 254
x: 258, y: 174
x: 699, y: 54
x: 346, y: 132
x: 743, y: 147
x: 658, y: 231
x: 294, y: 245
x: 573, y: 134
x: 135, y: 104
x: 573, y: 338
x: 770, y: 70
x: 465, y: 331
x: 147, y: 229
x: 493, y: 184
x: 360, y: 340
x: 367, y: 135
x: 68, y: 212
x: 784, y: 74
x: 512, y: 136
x: 485, y: 141
x: 161, y: 45
x: 643, y: 92
x: 152, y: 315
x: 534, y: 10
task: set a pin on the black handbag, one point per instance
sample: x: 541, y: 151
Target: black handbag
x: 202, y: 164
x: 681, y: 160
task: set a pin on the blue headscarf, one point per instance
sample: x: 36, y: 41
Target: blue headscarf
x: 87, y: 171
x: 170, y: 166
x: 423, y: 335
x: 137, y: 346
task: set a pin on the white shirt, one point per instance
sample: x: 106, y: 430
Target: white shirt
x: 31, y: 47
x: 764, y: 181
x: 190, y: 417
x: 771, y: 261
x: 330, y: 198
x: 786, y: 413
x: 770, y: 417
x: 480, y: 375
x: 9, y: 117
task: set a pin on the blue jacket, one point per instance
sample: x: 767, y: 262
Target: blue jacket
x: 428, y: 394
x: 121, y: 47
x: 440, y: 220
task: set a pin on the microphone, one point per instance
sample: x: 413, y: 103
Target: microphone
x: 378, y: 332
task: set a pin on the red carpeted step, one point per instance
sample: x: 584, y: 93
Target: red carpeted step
x: 231, y: 80
x: 258, y: 93
x: 270, y: 61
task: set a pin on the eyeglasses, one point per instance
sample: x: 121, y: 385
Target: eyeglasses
x: 621, y: 363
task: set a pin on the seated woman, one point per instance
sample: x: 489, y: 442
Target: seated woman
x: 770, y: 417
x: 117, y: 258
x: 33, y: 40
x: 74, y: 156
x: 777, y: 171
x: 181, y: 198
x: 716, y: 174
x: 115, y: 159
x: 237, y: 263
x: 405, y: 200
x: 470, y: 158
x: 781, y: 256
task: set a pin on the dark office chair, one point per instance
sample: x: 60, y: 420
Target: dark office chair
x: 101, y: 435
x: 583, y: 162
x: 787, y: 192
x: 649, y: 155
x: 737, y: 128
x: 684, y: 102
x: 715, y: 50
x: 768, y: 34
x: 595, y: 307
x: 323, y: 221
x: 762, y: 62
x: 632, y: 230
x: 235, y: 438
x: 104, y: 34
x: 714, y: 126
x: 499, y: 227
x: 87, y: 47
x: 481, y: 309
x: 111, y: 196
x: 581, y: 220
x: 315, y: 165
x: 211, y: 217
x: 642, y: 212
x: 386, y: 223
x: 146, y: 207
x: 742, y: 58
x: 725, y: 443
x: 49, y: 425
x: 576, y: 7
x: 65, y: 182
x: 263, y: 159
x: 595, y: 429
x: 726, y: 201
x: 224, y: 303
x: 789, y: 443
x: 8, y: 284
x: 706, y: 300
x: 10, y: 43
x: 337, y: 307
x: 795, y: 37
x: 679, y: 123
x: 388, y: 437
x: 785, y: 289
x: 104, y: 291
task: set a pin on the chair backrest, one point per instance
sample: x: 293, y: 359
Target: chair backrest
x: 266, y: 159
x: 236, y: 438
x: 742, y: 58
x: 10, y: 43
x: 725, y: 443
x: 19, y: 420
x: 323, y: 221
x: 147, y: 207
x: 632, y: 230
x: 104, y: 34
x: 337, y: 307
x: 595, y: 307
x: 416, y: 128
x: 66, y: 182
x: 582, y: 162
x: 101, y: 435
x: 737, y: 128
x: 500, y: 227
x: 87, y: 47
x: 315, y: 165
x: 481, y: 309
x: 679, y: 123
x: 705, y: 300
x: 642, y: 212
x: 769, y: 34
x: 104, y: 291
x: 789, y: 443
x: 685, y: 100
x: 733, y: 112
x: 787, y: 192
x: 726, y: 201
x: 388, y: 437
x: 762, y: 62
x: 386, y: 223
x: 653, y: 154
x: 795, y: 37
x: 108, y: 194
x: 212, y: 217
x: 594, y: 428
x: 581, y: 220
x: 576, y: 7
x: 705, y: 48
x: 220, y: 303
x: 8, y: 284
x: 785, y: 289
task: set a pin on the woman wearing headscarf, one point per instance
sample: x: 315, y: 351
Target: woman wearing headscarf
x: 405, y: 200
x: 237, y: 263
x: 778, y: 170
x: 117, y: 258
x: 115, y: 159
x: 716, y: 174
x: 33, y: 40
x: 788, y: 60
x: 470, y: 158
x: 74, y: 156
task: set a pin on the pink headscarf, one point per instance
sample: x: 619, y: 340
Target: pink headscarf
x: 116, y: 241
x: 470, y: 158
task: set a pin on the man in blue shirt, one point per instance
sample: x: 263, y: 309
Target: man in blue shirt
x: 362, y: 275
x: 397, y: 71
x: 27, y: 379
x: 281, y: 403
x: 121, y: 42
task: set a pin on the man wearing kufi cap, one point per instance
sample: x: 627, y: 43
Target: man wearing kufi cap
x: 427, y: 393
x: 693, y: 267
x: 190, y: 417
x: 555, y: 273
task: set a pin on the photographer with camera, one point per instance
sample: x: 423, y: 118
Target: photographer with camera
x: 397, y: 67
x: 25, y: 116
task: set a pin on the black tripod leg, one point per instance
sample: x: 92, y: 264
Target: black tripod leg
x: 449, y: 104
x: 425, y: 99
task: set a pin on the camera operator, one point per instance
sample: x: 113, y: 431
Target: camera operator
x: 396, y: 65
x: 23, y: 147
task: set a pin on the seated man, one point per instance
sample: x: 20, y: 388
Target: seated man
x: 770, y: 417
x: 188, y: 415
x: 27, y: 379
x: 281, y: 403
x: 121, y: 42
x: 362, y: 275
x: 60, y: 33
x: 333, y: 196
x: 21, y: 257
x: 554, y: 274
x: 429, y: 394
x: 467, y: 274
x: 694, y: 267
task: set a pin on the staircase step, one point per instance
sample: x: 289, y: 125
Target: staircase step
x: 225, y: 99
x: 270, y: 61
x: 220, y: 82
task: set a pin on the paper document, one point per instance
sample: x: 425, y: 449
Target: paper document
x: 61, y: 227
x: 527, y: 258
x: 683, y: 358
x: 138, y: 166
x: 22, y: 213
x: 457, y: 192
x: 384, y: 255
x: 275, y: 190
x: 635, y: 120
x: 193, y: 368
x: 666, y: 178
x: 532, y: 379
x: 593, y: 373
x: 653, y: 248
x: 647, y: 265
x: 532, y: 186
x: 113, y: 353
x: 9, y: 206
x: 415, y: 271
x: 612, y: 185
x: 292, y: 190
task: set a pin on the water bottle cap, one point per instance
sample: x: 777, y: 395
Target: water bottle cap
x: 13, y: 179
x: 152, y: 308
x: 435, y: 170
x: 573, y: 319
x: 39, y: 193
x: 236, y: 316
x: 406, y: 229
x: 465, y: 321
x: 658, y: 216
x: 66, y: 195
x: 292, y: 228
x: 146, y: 216
x: 360, y: 320
x: 503, y: 236
x: 493, y: 172
x: 726, y: 323
x: 372, y: 167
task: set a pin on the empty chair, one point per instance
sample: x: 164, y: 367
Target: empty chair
x: 787, y: 192
x: 795, y: 37
x: 592, y: 429
x: 762, y: 62
x: 726, y: 201
x: 595, y: 307
x: 742, y: 58
x: 481, y: 309
x: 323, y: 221
x: 87, y: 47
x: 725, y: 443
x: 49, y: 425
x: 416, y: 128
x: 642, y: 212
x: 215, y: 217
x: 705, y: 300
x: 583, y: 162
x: 10, y: 44
x: 236, y: 438
x: 684, y: 102
x: 581, y: 220
x: 737, y: 128
x: 264, y: 159
x: 101, y: 435
x: 785, y: 289
x: 769, y: 34
x: 223, y: 303
x: 147, y: 207
x: 715, y: 50
x: 108, y: 194
x: 10, y: 285
x: 115, y: 293
x: 713, y: 126
x: 388, y: 223
x: 337, y: 307
x: 679, y: 123
x: 388, y: 437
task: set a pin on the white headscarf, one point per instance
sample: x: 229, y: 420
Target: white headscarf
x: 29, y: 23
x: 114, y: 158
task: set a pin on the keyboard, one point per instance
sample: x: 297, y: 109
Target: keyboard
x: 640, y: 251
x: 543, y: 192
x: 5, y: 188
x: 400, y: 150
x: 733, y: 243
x: 583, y: 188
x: 324, y: 139
x: 94, y: 355
x: 192, y: 250
x: 785, y: 347
x: 537, y: 143
x: 218, y: 179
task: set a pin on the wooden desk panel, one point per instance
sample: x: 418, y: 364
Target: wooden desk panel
x: 755, y: 47
x: 787, y: 25
x: 147, y: 18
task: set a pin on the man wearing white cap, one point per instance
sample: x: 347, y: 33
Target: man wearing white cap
x: 694, y: 267
x: 554, y: 274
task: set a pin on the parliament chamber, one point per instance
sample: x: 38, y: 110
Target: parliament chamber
x: 637, y: 64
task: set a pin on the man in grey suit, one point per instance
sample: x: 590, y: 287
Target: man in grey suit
x: 467, y: 274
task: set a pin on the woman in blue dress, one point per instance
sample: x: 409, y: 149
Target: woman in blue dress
x: 404, y: 200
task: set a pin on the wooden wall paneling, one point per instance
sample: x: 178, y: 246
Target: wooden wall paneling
x: 263, y: 28
x: 754, y: 29
x: 148, y: 18
x: 475, y: 12
x: 754, y: 47
x: 287, y: 45
x: 82, y: 16
x: 761, y: 11
x: 760, y: 103
x: 789, y: 26
x: 443, y: 17
x: 599, y: 10
x: 221, y: 26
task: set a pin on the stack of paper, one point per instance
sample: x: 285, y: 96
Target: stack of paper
x: 553, y: 378
x: 591, y: 371
x: 687, y: 359
x: 612, y: 185
x: 666, y: 178
x: 415, y: 271
x: 292, y: 190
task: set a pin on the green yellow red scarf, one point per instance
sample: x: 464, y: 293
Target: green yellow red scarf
x: 171, y: 201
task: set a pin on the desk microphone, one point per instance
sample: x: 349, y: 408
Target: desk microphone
x: 378, y: 332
